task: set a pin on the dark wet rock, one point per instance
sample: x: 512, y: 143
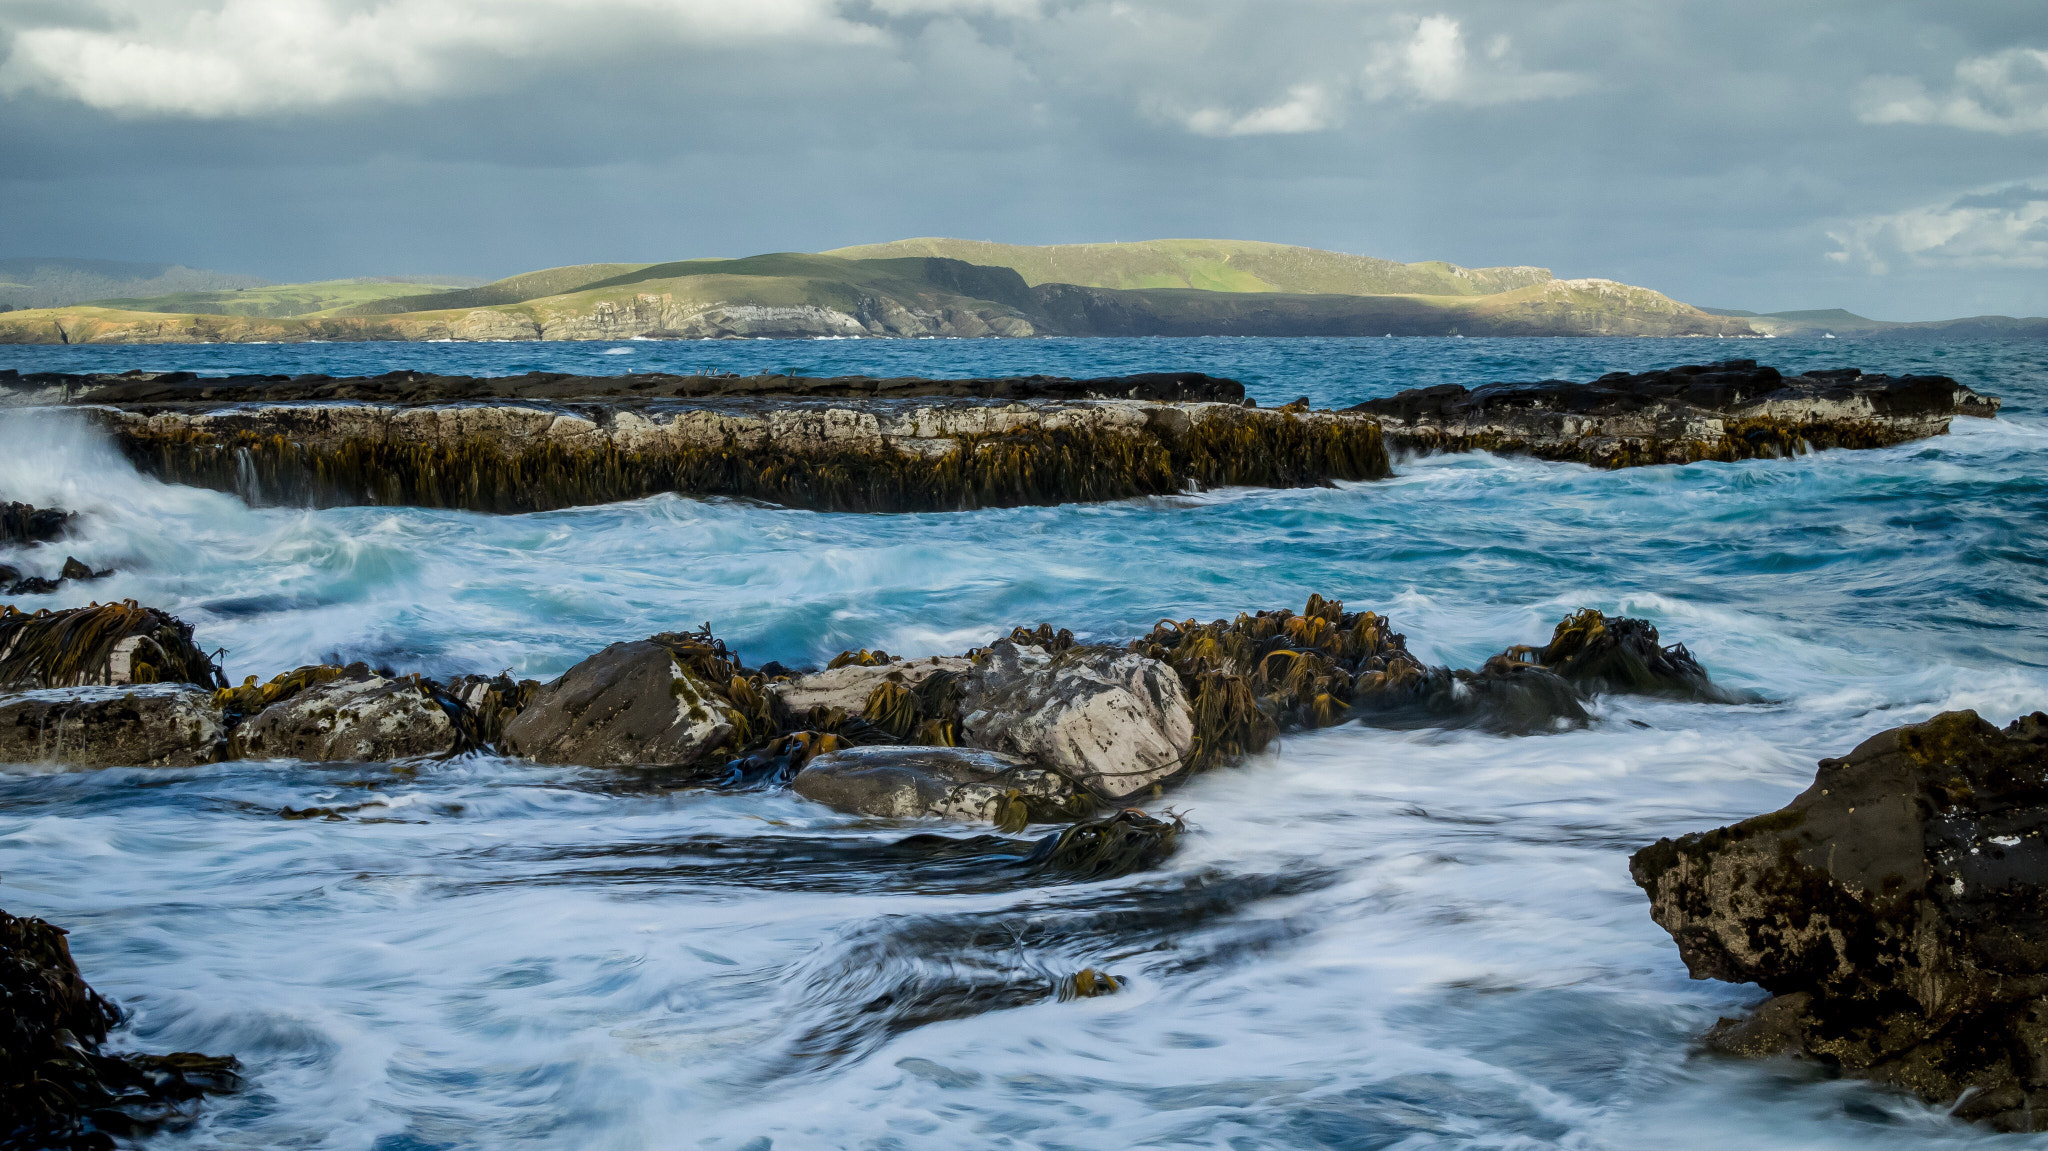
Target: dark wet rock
x: 1111, y: 720
x: 160, y: 725
x: 58, y: 1090
x: 1897, y: 910
x: 112, y: 644
x: 26, y: 524
x: 74, y: 568
x: 1731, y: 410
x: 352, y: 717
x: 632, y: 704
x: 487, y: 704
x: 34, y: 585
x: 1599, y: 654
x: 949, y: 782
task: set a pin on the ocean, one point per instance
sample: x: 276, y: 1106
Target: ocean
x: 1370, y: 938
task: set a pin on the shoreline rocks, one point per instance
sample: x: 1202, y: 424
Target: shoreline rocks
x: 1897, y: 910
x: 1732, y: 410
x: 160, y: 725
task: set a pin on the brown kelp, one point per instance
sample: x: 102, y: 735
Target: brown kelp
x: 1041, y: 464
x: 57, y: 1089
x: 116, y: 643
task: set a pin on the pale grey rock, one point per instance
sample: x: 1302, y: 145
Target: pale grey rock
x: 902, y: 782
x: 1114, y: 721
x: 153, y: 725
x: 350, y: 720
x: 631, y: 704
x: 847, y: 688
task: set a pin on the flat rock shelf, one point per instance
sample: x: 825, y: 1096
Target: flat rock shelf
x: 862, y: 444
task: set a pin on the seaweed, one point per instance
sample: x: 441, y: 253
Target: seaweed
x: 102, y: 644
x: 1044, y: 465
x: 57, y: 1089
x: 1116, y: 845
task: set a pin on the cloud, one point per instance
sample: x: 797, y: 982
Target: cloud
x: 2001, y: 227
x: 2005, y: 92
x: 221, y: 58
x: 1308, y: 108
x: 1433, y: 65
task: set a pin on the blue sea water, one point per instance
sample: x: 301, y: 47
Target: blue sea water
x: 1374, y: 939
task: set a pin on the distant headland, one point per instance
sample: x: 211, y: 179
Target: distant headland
x: 906, y: 289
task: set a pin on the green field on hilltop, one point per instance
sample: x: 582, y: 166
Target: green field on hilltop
x: 1216, y: 266
x: 323, y: 297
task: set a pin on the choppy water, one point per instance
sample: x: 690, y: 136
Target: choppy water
x: 1375, y: 939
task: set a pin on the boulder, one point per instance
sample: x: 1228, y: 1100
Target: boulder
x: 25, y: 523
x: 57, y: 1088
x: 633, y: 703
x: 848, y: 687
x: 113, y: 644
x: 358, y: 717
x: 1897, y: 910
x: 903, y: 782
x: 1113, y: 721
x: 160, y: 725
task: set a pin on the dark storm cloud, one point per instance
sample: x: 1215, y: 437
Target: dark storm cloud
x: 1885, y: 157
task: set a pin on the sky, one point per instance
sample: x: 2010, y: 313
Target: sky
x: 1886, y: 157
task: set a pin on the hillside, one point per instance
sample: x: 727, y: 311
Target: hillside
x: 1843, y: 324
x: 796, y: 295
x: 48, y: 282
x: 276, y: 300
x: 1214, y: 266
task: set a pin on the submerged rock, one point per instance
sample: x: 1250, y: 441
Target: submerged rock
x: 353, y: 716
x: 1897, y: 910
x: 632, y: 704
x: 119, y: 643
x: 898, y: 782
x: 1113, y: 721
x: 1601, y: 653
x: 162, y: 725
x: 1733, y: 410
x: 57, y: 1089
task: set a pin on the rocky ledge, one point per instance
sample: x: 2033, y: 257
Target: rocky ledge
x: 57, y: 1088
x: 1034, y: 727
x: 1733, y: 410
x: 1897, y: 910
x: 546, y: 441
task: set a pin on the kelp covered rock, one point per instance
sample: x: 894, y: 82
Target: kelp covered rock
x: 1113, y: 721
x: 1898, y: 911
x: 162, y: 725
x: 899, y: 782
x: 632, y: 704
x: 112, y: 644
x: 850, y: 686
x: 1732, y: 410
x: 353, y: 716
x: 1600, y: 653
x: 57, y: 1089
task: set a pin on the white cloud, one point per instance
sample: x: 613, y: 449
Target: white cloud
x: 1433, y: 65
x: 2003, y: 226
x: 212, y: 58
x: 1308, y: 108
x: 2005, y: 92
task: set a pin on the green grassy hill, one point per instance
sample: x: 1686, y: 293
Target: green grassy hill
x: 276, y: 300
x: 1215, y: 266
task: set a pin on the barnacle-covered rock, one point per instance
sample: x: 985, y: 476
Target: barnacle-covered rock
x: 848, y: 686
x: 1113, y: 721
x: 156, y: 725
x: 635, y: 703
x: 58, y: 1090
x: 1897, y: 909
x: 904, y: 782
x: 353, y: 716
